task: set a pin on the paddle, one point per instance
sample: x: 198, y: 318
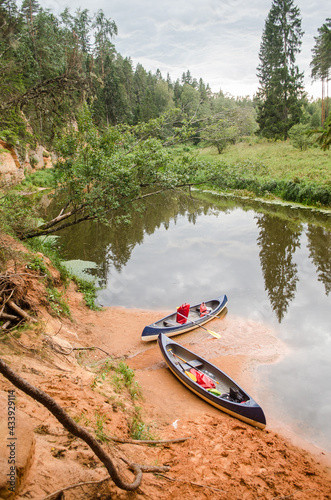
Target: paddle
x: 214, y: 334
x: 189, y: 374
x: 187, y: 363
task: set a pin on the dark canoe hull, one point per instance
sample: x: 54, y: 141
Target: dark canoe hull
x: 248, y: 411
x: 169, y: 327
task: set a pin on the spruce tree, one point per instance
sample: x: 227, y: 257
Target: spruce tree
x: 281, y: 83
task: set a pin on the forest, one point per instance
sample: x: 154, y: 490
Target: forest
x: 51, y: 64
x: 113, y: 126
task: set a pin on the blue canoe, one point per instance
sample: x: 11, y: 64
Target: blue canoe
x: 170, y: 327
x: 231, y: 398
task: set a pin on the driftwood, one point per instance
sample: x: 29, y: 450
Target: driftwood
x: 72, y: 427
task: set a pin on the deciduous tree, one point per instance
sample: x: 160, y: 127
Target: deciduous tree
x: 101, y: 175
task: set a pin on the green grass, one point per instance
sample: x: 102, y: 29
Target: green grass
x: 271, y: 169
x: 281, y: 161
x: 39, y: 178
x: 121, y: 378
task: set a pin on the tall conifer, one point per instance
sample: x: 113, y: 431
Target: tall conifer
x: 321, y: 62
x: 281, y: 83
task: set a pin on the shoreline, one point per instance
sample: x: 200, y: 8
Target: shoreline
x: 145, y: 356
x: 221, y: 458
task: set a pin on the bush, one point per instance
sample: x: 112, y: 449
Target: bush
x: 299, y: 137
x: 17, y: 214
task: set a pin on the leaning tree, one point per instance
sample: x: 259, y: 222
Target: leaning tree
x: 281, y: 83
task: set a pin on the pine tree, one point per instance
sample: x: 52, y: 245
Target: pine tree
x: 321, y: 62
x: 281, y: 83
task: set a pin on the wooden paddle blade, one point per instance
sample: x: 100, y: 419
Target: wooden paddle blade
x: 214, y: 334
x: 193, y: 377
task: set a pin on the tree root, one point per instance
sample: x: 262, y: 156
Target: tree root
x: 58, y: 492
x: 67, y: 352
x: 20, y: 311
x: 8, y: 289
x: 72, y: 427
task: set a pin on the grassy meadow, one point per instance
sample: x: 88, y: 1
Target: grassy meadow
x: 258, y: 167
x: 278, y: 160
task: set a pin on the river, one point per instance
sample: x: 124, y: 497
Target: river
x: 273, y: 262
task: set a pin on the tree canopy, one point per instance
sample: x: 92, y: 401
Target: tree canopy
x: 100, y: 175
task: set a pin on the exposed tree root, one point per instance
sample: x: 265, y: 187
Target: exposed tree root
x: 72, y: 427
x: 12, y: 298
x: 56, y: 494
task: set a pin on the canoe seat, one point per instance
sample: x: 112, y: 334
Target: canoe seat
x: 170, y: 323
x: 196, y: 363
x: 191, y: 364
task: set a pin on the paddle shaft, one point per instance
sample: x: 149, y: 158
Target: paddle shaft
x: 186, y: 362
x: 217, y: 335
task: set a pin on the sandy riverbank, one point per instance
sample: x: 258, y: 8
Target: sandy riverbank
x: 223, y: 457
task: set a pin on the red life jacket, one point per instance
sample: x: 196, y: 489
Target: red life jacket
x: 182, y: 313
x: 203, y: 310
x: 203, y: 379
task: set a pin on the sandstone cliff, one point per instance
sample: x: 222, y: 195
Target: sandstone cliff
x: 13, y: 169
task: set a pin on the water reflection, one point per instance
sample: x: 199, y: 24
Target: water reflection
x: 278, y: 233
x: 272, y: 261
x: 319, y: 244
x: 278, y: 240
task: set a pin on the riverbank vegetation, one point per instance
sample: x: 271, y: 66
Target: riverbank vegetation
x: 115, y: 129
x: 268, y: 168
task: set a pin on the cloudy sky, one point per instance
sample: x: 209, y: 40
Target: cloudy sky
x: 217, y: 40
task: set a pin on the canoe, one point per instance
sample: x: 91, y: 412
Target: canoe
x: 170, y: 327
x: 226, y: 395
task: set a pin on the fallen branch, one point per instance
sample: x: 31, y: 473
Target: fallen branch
x: 72, y: 427
x: 20, y: 311
x: 147, y: 441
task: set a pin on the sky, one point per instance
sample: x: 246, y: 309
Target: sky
x: 216, y: 40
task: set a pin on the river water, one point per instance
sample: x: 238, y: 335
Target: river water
x: 273, y: 262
